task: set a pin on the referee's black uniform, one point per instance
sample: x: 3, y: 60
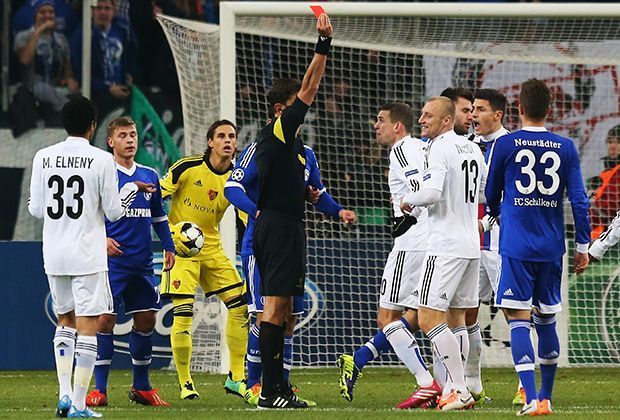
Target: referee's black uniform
x: 279, y: 237
x: 279, y: 234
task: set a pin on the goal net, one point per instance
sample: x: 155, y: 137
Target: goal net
x: 377, y: 57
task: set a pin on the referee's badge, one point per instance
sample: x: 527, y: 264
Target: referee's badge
x: 237, y: 174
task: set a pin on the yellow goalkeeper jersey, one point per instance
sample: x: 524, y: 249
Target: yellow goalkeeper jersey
x: 197, y: 192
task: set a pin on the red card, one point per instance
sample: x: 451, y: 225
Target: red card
x: 317, y: 10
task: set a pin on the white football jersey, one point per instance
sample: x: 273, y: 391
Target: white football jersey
x: 73, y: 186
x: 456, y: 168
x: 405, y: 176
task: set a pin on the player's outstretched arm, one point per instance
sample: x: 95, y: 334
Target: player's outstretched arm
x: 609, y: 238
x: 312, y: 79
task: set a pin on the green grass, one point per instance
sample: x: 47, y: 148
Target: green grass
x: 579, y: 393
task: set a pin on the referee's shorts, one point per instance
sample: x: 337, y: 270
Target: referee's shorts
x: 280, y: 250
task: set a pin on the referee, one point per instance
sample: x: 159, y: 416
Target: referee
x: 279, y: 236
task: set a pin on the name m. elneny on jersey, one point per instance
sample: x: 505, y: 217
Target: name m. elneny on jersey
x: 70, y: 162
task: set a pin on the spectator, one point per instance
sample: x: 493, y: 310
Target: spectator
x: 67, y: 17
x: 44, y: 56
x: 605, y: 200
x: 113, y: 57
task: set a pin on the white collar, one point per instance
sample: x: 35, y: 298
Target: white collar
x: 77, y: 139
x: 494, y: 136
x: 407, y: 137
x: 126, y: 171
x: 451, y: 132
x: 536, y: 129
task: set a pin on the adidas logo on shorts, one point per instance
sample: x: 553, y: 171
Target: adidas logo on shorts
x: 508, y: 292
x: 443, y: 296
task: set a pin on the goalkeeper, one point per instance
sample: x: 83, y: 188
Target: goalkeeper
x: 196, y: 184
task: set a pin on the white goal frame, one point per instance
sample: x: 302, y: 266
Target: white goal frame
x: 230, y: 10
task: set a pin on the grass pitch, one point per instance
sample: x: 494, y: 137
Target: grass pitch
x: 579, y: 393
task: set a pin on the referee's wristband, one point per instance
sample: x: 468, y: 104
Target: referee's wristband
x: 323, y: 44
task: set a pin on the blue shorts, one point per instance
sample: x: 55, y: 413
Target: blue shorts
x: 255, y: 299
x: 527, y: 284
x: 137, y: 291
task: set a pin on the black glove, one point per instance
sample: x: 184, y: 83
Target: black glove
x: 400, y: 225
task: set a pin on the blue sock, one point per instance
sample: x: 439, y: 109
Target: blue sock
x: 548, y: 353
x: 287, y: 356
x: 140, y: 349
x: 523, y: 356
x: 372, y: 349
x: 255, y: 368
x: 105, y: 350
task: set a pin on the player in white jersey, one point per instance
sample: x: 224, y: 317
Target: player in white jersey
x: 73, y: 186
x: 455, y: 171
x: 463, y: 100
x: 606, y: 240
x: 489, y: 109
x: 398, y: 289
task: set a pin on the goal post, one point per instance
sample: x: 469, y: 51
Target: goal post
x: 410, y: 51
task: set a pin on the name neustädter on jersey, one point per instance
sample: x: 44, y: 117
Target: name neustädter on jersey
x: 71, y: 162
x: 537, y: 143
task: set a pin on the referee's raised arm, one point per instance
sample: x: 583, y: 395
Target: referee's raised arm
x: 312, y: 79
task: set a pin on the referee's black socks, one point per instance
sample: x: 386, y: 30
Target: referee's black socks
x: 271, y: 350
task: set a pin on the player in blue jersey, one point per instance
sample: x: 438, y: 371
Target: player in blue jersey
x: 130, y: 262
x: 530, y: 171
x: 242, y: 191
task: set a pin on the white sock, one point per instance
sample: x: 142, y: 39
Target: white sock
x: 440, y: 374
x: 448, y: 350
x: 472, y: 367
x: 406, y: 348
x: 85, y: 355
x: 64, y: 346
x: 460, y: 333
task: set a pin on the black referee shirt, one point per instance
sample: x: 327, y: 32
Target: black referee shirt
x: 281, y: 161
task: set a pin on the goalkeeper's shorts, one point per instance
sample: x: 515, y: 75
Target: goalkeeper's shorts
x: 215, y: 274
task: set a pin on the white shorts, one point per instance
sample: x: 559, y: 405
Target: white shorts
x: 490, y: 264
x: 399, y: 284
x: 88, y: 295
x: 449, y: 282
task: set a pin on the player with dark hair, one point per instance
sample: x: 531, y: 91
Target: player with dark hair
x: 279, y: 236
x: 397, y: 317
x: 196, y: 184
x: 73, y: 186
x: 463, y: 100
x: 130, y: 262
x: 489, y: 110
x: 530, y: 171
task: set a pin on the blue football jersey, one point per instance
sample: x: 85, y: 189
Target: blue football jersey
x: 133, y: 230
x: 245, y: 176
x: 533, y: 168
